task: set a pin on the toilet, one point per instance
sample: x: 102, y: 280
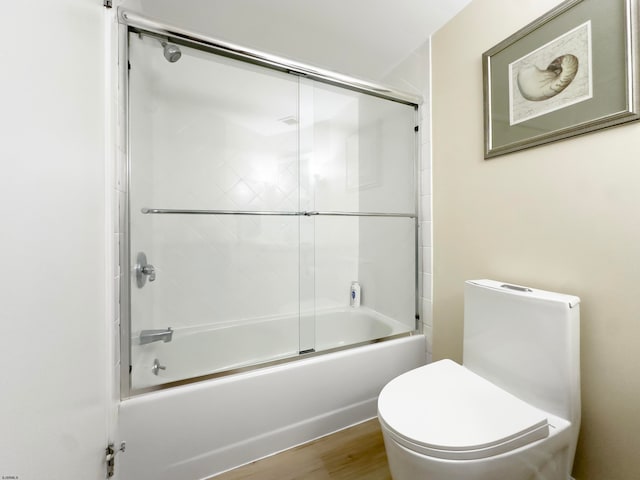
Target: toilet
x: 511, y: 411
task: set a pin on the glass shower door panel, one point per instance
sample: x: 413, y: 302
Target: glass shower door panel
x: 379, y: 254
x: 362, y: 151
x: 226, y: 286
x: 220, y: 133
x: 208, y: 137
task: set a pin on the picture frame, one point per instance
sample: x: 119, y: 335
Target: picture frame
x: 572, y: 71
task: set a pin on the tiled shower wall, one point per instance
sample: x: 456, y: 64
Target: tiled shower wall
x: 413, y: 75
x: 426, y: 227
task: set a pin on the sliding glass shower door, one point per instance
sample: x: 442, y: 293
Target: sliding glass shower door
x: 358, y: 181
x: 259, y: 201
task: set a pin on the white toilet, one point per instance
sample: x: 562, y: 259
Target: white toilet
x: 510, y: 412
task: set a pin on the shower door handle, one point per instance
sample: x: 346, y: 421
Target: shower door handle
x: 144, y: 270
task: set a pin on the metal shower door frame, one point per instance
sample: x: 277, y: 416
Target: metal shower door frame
x: 132, y: 22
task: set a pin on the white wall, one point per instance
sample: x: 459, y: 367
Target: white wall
x: 54, y: 341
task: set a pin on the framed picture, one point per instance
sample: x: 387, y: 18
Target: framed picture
x: 572, y: 71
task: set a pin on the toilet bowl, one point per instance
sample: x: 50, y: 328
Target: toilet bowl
x: 511, y: 411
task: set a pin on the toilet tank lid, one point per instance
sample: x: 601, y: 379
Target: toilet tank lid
x: 447, y: 411
x: 524, y: 291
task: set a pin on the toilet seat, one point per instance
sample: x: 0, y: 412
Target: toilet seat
x: 444, y: 410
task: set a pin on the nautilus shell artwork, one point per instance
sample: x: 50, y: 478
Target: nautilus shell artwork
x: 537, y: 85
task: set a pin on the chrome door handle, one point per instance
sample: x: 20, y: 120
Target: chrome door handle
x: 144, y: 270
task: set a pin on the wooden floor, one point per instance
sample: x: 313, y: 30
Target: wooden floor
x: 353, y: 454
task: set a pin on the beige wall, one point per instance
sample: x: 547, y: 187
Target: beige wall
x: 563, y: 217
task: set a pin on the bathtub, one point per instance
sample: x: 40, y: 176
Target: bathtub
x: 204, y: 350
x: 197, y: 430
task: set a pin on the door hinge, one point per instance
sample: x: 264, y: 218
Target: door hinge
x: 108, y: 3
x: 110, y: 457
x: 416, y: 128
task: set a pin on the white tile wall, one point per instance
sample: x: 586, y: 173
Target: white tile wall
x: 413, y: 74
x: 425, y: 207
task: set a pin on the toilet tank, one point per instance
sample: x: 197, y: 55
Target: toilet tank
x: 526, y: 341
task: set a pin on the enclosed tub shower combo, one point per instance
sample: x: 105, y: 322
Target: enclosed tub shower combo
x: 271, y: 237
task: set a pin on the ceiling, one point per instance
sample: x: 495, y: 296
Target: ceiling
x: 361, y: 38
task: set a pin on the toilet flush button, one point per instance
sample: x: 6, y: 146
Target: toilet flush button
x: 516, y: 287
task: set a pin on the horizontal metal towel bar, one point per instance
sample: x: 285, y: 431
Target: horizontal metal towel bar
x: 173, y: 211
x: 360, y: 214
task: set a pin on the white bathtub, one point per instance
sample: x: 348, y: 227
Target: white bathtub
x: 204, y: 350
x: 197, y: 430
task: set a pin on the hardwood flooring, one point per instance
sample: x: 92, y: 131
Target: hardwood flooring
x: 356, y: 453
